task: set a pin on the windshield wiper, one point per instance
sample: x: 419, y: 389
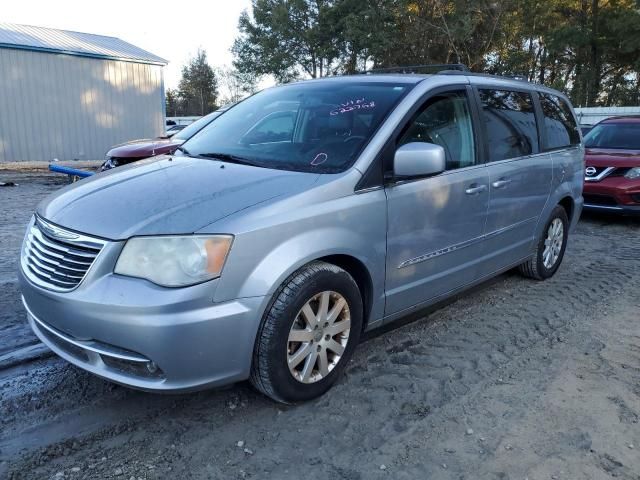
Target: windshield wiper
x: 183, y: 150
x: 227, y: 157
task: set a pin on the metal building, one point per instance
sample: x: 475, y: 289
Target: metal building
x: 71, y: 95
x: 593, y: 115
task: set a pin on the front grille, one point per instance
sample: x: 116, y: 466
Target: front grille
x: 595, y: 174
x: 56, y: 258
x: 619, y: 172
x: 113, y: 162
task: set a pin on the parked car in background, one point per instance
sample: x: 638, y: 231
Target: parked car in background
x: 171, y: 131
x: 304, y: 216
x: 585, y: 129
x: 612, y: 166
x: 137, y: 150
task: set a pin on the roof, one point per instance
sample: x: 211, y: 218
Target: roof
x: 368, y: 78
x: 414, y: 78
x: 42, y: 39
x: 622, y: 119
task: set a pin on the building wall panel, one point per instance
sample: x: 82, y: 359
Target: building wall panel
x: 593, y: 115
x: 70, y: 107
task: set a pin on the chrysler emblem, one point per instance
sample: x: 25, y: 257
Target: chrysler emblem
x: 590, y: 171
x: 56, y: 232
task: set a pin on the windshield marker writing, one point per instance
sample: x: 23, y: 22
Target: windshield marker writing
x: 319, y: 159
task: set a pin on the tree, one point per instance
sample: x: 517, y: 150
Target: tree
x: 587, y: 48
x: 235, y: 85
x: 287, y: 39
x: 294, y: 38
x: 198, y: 88
x: 172, y: 102
x: 443, y: 31
x: 590, y: 49
x: 364, y: 32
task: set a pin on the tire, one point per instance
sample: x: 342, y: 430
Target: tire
x: 274, y: 350
x: 536, y: 267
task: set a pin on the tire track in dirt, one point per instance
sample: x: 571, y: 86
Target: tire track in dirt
x: 18, y: 204
x: 426, y: 462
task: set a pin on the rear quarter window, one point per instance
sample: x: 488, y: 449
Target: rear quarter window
x: 559, y: 124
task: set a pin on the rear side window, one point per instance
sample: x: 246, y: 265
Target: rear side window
x: 559, y: 124
x: 510, y: 123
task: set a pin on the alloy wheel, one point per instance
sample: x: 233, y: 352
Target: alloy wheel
x: 318, y: 337
x: 553, y: 243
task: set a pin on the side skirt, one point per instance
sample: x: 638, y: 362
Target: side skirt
x: 433, y: 301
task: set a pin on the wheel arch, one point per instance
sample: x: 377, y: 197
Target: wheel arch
x: 360, y: 273
x: 569, y: 206
x: 564, y: 196
x: 263, y: 274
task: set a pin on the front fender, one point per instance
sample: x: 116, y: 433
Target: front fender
x: 260, y: 260
x: 269, y: 274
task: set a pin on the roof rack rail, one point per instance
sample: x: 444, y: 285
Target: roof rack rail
x: 430, y: 68
x: 518, y: 76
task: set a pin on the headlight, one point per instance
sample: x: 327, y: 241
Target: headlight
x: 174, y: 261
x: 633, y: 173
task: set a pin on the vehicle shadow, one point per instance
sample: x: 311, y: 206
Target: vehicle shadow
x: 424, y: 313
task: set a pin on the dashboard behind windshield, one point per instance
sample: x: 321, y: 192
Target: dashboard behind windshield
x: 316, y: 127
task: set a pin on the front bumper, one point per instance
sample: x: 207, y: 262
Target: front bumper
x: 621, y: 209
x: 613, y: 194
x: 137, y: 334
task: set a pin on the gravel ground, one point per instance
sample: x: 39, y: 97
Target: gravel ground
x: 514, y: 380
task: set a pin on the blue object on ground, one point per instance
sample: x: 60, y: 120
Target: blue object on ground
x: 69, y: 171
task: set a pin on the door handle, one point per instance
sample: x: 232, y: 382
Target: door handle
x: 474, y: 189
x: 503, y: 182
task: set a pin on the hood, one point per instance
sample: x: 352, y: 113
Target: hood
x: 164, y: 196
x: 609, y: 157
x: 145, y: 148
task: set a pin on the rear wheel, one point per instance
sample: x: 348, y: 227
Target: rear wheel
x: 308, y: 334
x: 550, y: 248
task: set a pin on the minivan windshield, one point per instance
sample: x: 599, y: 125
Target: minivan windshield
x: 625, y: 136
x: 316, y: 127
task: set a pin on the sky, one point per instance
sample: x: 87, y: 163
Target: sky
x: 173, y: 30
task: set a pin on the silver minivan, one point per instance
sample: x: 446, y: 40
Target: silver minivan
x: 298, y: 219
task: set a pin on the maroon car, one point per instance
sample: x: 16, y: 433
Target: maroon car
x: 139, y: 149
x: 612, y: 161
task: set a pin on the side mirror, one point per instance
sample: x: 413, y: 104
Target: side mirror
x: 419, y: 159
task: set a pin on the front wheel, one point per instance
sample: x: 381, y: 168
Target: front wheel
x: 308, y: 334
x: 550, y: 248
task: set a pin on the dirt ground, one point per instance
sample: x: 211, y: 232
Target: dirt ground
x: 514, y: 380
